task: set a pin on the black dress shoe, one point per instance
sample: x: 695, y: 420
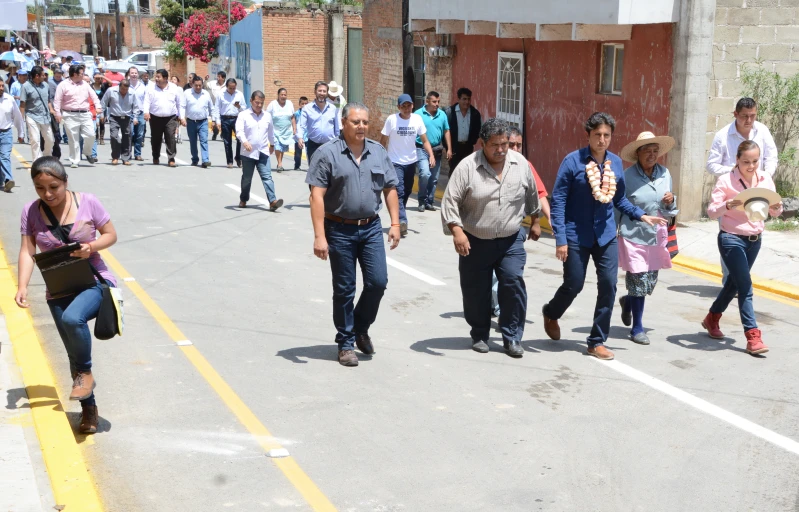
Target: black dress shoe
x: 514, y: 349
x: 430, y: 208
x: 626, y: 312
x: 480, y: 346
x: 364, y: 343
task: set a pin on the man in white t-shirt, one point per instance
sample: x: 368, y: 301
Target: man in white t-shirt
x: 399, y: 138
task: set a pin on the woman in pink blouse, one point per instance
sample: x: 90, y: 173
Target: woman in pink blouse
x: 739, y: 242
x: 82, y: 216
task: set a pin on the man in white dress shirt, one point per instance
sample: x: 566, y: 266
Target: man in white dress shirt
x: 164, y: 107
x: 138, y: 89
x: 257, y: 135
x: 721, y: 159
x: 228, y: 106
x: 199, y: 107
x: 215, y: 89
x: 9, y: 116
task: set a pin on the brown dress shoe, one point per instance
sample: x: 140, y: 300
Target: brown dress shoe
x: 82, y: 386
x: 89, y: 419
x: 551, y: 327
x: 600, y: 352
x: 347, y: 358
x: 139, y: 159
x: 274, y: 205
x: 364, y: 343
x: 156, y: 161
x: 172, y: 164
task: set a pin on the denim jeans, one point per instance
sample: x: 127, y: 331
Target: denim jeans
x: 405, y: 174
x: 505, y: 256
x: 6, y: 143
x: 348, y: 244
x: 197, y: 129
x: 495, y: 294
x: 297, y: 156
x: 606, y: 261
x: 139, y: 131
x: 428, y: 178
x: 311, y: 149
x: 739, y: 254
x: 71, y: 316
x: 228, y: 127
x: 248, y: 166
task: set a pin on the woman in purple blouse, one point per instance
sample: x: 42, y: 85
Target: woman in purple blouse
x: 82, y: 215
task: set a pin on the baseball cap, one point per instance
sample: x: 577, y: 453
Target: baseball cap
x: 22, y: 72
x: 404, y: 98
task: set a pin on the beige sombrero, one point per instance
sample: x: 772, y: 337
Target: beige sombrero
x: 756, y: 202
x: 628, y: 153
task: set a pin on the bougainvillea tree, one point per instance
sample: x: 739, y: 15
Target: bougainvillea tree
x: 199, y: 36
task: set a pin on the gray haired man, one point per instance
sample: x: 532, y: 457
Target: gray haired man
x: 121, y: 113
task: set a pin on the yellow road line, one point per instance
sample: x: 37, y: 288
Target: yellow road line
x: 287, y: 465
x: 69, y: 477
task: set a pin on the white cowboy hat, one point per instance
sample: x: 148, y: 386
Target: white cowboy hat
x: 628, y: 153
x: 756, y: 202
x: 334, y: 89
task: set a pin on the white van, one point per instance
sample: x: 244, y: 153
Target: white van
x: 144, y: 61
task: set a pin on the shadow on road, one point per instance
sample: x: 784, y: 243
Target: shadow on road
x: 698, y: 341
x: 697, y: 290
x: 327, y: 352
x: 103, y: 425
x: 432, y: 345
x: 41, y: 396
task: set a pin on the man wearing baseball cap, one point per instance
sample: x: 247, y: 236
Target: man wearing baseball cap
x: 399, y: 138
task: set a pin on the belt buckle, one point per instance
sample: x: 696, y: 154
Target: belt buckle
x: 754, y: 238
x: 361, y: 220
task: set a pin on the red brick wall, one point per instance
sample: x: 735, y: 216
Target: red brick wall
x: 145, y: 38
x: 561, y: 89
x: 382, y: 60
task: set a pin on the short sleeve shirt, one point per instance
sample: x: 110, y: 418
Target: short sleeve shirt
x: 353, y: 190
x: 36, y: 101
x: 402, y: 135
x: 436, y: 126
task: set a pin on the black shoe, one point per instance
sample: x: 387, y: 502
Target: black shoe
x: 626, y: 312
x: 514, y: 349
x: 430, y: 207
x: 420, y: 208
x: 91, y: 160
x: 480, y: 346
x: 195, y: 164
x: 364, y: 343
x: 238, y: 163
x: 206, y: 165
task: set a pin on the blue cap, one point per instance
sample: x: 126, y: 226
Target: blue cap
x: 22, y: 72
x: 404, y: 98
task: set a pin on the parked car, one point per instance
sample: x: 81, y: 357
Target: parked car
x: 89, y: 58
x: 144, y: 61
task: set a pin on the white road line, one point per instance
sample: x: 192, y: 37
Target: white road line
x: 252, y: 196
x: 415, y: 273
x: 772, y: 437
x: 178, y: 160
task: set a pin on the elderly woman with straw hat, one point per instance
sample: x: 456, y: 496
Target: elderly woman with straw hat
x: 642, y: 248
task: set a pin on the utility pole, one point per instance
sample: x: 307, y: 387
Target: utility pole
x: 407, y: 50
x: 91, y: 27
x: 119, y: 30
x: 229, y: 37
x: 39, y: 24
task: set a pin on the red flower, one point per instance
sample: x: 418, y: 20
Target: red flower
x: 199, y: 35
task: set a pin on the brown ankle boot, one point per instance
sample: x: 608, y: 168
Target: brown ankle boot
x: 82, y: 386
x: 89, y: 419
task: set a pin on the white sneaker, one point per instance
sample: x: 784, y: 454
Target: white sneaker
x: 74, y: 166
x: 9, y: 185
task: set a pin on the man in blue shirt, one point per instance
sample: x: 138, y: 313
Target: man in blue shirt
x: 437, y: 124
x: 319, y: 122
x: 585, y: 228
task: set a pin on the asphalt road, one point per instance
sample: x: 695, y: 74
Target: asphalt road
x: 426, y: 424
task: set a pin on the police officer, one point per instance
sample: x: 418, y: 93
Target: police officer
x: 347, y: 228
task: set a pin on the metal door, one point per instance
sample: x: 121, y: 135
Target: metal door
x: 243, y: 69
x: 354, y: 65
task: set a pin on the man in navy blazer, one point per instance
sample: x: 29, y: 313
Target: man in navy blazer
x: 585, y: 228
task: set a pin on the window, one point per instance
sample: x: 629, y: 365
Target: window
x: 418, y: 76
x: 510, y: 87
x: 611, y: 69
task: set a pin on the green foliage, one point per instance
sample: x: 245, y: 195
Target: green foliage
x: 171, y: 16
x: 65, y: 8
x: 131, y: 7
x: 782, y: 225
x: 174, y: 51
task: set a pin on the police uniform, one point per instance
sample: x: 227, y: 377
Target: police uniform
x: 353, y: 230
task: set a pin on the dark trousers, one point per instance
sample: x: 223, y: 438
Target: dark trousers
x: 405, y: 175
x: 228, y: 127
x: 216, y: 130
x: 297, y: 156
x: 350, y: 244
x: 120, y: 128
x: 163, y: 127
x: 56, y: 144
x: 739, y: 254
x: 312, y: 147
x: 606, y: 261
x: 99, y: 132
x: 460, y: 150
x: 507, y: 257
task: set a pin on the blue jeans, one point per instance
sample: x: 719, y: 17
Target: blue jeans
x: 494, y: 294
x: 71, y: 316
x: 507, y: 257
x: 606, y: 261
x: 248, y: 165
x: 297, y: 156
x: 139, y: 131
x: 228, y: 127
x: 739, y: 254
x: 6, y: 143
x: 195, y: 129
x: 428, y: 178
x: 405, y: 174
x: 348, y: 244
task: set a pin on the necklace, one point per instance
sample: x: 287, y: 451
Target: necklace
x: 603, y: 186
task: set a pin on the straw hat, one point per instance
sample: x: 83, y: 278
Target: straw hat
x: 628, y: 153
x: 756, y: 202
x: 334, y: 89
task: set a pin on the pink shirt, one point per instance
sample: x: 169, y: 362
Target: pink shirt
x: 735, y: 221
x: 71, y: 96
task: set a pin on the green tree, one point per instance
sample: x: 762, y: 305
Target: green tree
x: 130, y: 7
x: 170, y: 16
x: 65, y: 8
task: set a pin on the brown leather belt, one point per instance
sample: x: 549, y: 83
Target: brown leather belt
x: 357, y: 222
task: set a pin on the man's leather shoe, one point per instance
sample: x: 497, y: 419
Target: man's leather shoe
x: 514, y: 349
x: 347, y: 358
x: 626, y: 312
x: 82, y: 386
x: 274, y: 205
x: 600, y: 352
x: 430, y: 207
x: 206, y: 165
x: 156, y: 161
x: 420, y: 208
x: 172, y: 164
x: 139, y: 159
x: 551, y: 327
x: 89, y: 419
x: 115, y: 162
x: 480, y: 346
x: 364, y: 343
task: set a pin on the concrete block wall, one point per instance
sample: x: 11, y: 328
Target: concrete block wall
x: 382, y: 60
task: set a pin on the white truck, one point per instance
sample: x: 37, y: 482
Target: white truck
x: 144, y: 61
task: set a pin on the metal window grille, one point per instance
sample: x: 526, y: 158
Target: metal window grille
x: 611, y: 69
x: 510, y: 87
x: 418, y: 76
